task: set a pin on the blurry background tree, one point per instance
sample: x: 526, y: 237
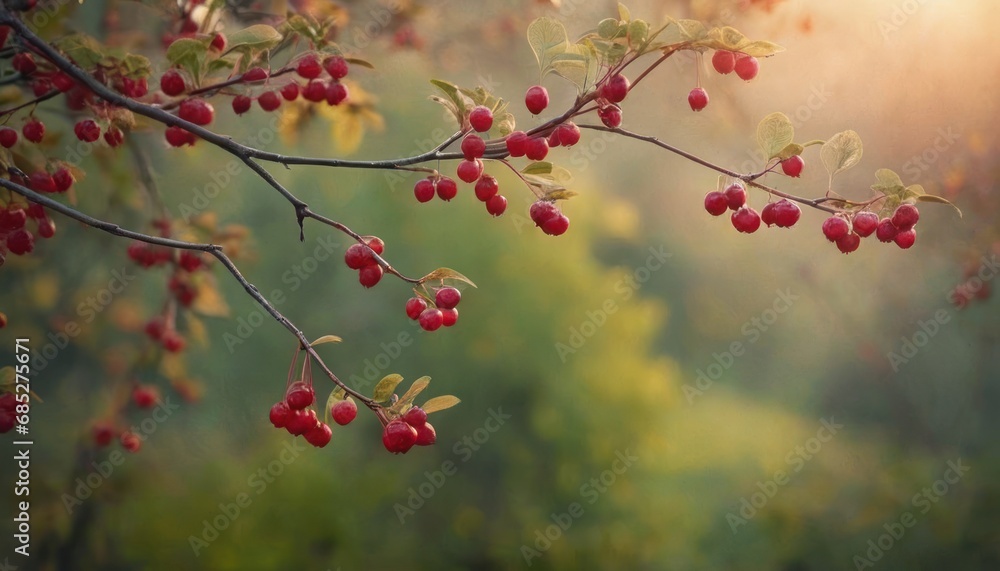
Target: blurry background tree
x: 597, y: 457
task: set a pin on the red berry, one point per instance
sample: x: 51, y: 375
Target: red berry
x: 155, y: 327
x: 905, y: 216
x: 319, y: 435
x: 415, y: 417
x: 114, y: 137
x: 343, y: 412
x: 450, y: 317
x: 13, y: 218
x: 196, y: 110
x: 724, y: 61
x: 746, y: 220
x: 865, y: 223
x: 241, y: 104
x: 470, y: 171
x: 537, y: 149
x: 357, y: 257
x: 269, y: 100
x: 309, y: 67
x: 103, y: 433
x: 615, y: 89
x: 173, y: 341
x: 189, y: 261
x: 87, y: 130
x: 370, y: 275
x: 314, y: 91
x: 497, y: 205
x: 473, y: 146
x: 886, y: 231
x: 42, y: 181
x: 568, y: 134
x: 336, y: 93
x: 40, y: 87
x: 279, y: 414
x: 415, y: 306
x: 536, y: 99
x: 145, y: 396
x: 792, y: 166
x: 481, y: 118
x: 426, y: 435
x: 556, y: 226
x: 218, y: 42
x: 24, y: 63
x: 20, y: 242
x: 787, y: 213
x: 336, y: 66
x: 130, y: 441
x: 736, y: 196
x: 255, y: 74
x: 63, y: 179
x: 178, y: 137
x: 424, y: 190
x: 46, y: 228
x: 848, y: 243
x: 447, y: 297
x: 8, y: 137
x: 431, y: 319
x: 36, y: 211
x: 543, y: 211
x: 517, y: 143
x: 134, y: 88
x: 290, y: 91
x: 698, y: 99
x: 904, y: 238
x: 747, y: 67
x: 172, y: 83
x: 768, y: 214
x: 398, y: 437
x: 299, y: 395
x: 486, y: 187
x: 446, y: 188
x: 33, y: 130
x: 835, y: 228
x: 63, y: 82
x: 611, y: 116
x: 300, y: 421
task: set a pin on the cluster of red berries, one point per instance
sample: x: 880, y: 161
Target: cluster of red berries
x: 104, y: 432
x: 8, y: 412
x: 359, y: 257
x: 411, y: 429
x: 296, y: 415
x: 725, y: 62
x: 783, y: 214
x: 443, y: 312
x: 899, y: 228
x: 15, y: 236
x: 180, y: 285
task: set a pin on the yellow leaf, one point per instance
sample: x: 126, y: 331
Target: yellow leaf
x: 209, y: 301
x: 326, y: 339
x: 440, y: 403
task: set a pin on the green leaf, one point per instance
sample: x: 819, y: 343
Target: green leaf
x: 938, y: 200
x: 504, y: 123
x: 188, y: 54
x: 137, y: 66
x: 442, y: 274
x: 454, y: 94
x: 561, y: 194
x: 790, y: 150
x: 440, y: 403
x: 547, y: 38
x: 608, y: 28
x: 638, y: 32
x: 384, y: 388
x: 540, y: 167
x: 761, y: 49
x: 685, y: 31
x: 359, y: 62
x: 841, y: 152
x: 888, y: 182
x: 326, y: 339
x: 415, y: 389
x: 577, y: 65
x: 774, y: 133
x: 728, y: 38
x: 255, y: 38
x: 623, y: 14
x: 84, y: 50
